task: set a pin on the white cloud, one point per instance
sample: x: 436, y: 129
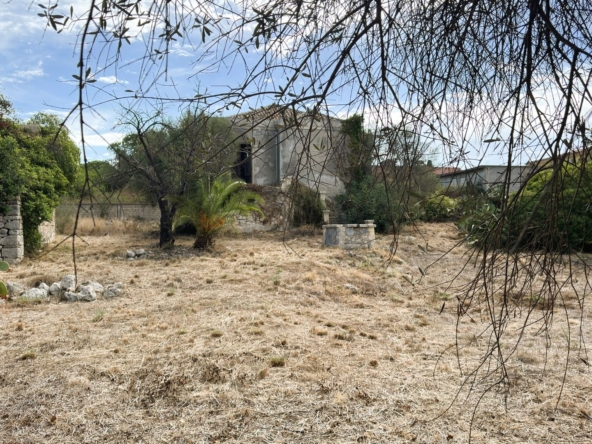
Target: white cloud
x: 111, y: 80
x: 28, y: 74
x: 22, y: 75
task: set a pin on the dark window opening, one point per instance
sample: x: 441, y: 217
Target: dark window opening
x: 244, y: 165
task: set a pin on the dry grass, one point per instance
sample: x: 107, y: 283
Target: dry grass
x: 97, y: 226
x: 260, y: 343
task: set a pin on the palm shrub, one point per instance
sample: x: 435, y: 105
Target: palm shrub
x: 211, y: 207
x: 3, y: 290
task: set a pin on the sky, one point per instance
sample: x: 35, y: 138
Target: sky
x: 37, y: 65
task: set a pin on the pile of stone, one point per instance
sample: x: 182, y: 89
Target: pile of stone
x: 66, y: 290
x: 135, y: 254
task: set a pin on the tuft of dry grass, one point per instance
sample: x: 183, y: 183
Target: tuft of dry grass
x: 277, y: 361
x: 29, y: 354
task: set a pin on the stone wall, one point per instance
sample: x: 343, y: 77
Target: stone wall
x: 276, y: 210
x: 114, y: 211
x: 12, y: 246
x: 349, y: 236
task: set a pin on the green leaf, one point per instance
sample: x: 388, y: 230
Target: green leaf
x: 3, y: 290
x: 4, y: 266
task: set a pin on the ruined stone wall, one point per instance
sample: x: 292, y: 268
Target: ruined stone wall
x: 275, y: 209
x: 349, y: 236
x: 12, y: 246
x: 48, y: 230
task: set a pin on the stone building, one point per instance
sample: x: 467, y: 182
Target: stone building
x: 280, y: 145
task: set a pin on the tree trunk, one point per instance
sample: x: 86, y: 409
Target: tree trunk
x: 167, y: 214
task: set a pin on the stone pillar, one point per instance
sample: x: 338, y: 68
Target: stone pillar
x: 12, y: 245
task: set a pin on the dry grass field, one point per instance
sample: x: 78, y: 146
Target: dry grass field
x: 273, y: 341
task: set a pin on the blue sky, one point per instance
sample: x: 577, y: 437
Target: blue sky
x: 36, y: 68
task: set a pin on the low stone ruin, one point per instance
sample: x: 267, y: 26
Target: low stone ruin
x: 349, y: 236
x: 65, y: 290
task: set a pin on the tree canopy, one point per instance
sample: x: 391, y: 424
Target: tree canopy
x: 39, y: 163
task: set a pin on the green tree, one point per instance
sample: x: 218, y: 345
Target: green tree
x: 211, y: 207
x: 38, y: 162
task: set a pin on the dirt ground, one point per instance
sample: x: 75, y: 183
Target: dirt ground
x: 266, y: 341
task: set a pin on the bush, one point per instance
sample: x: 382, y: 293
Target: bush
x: 42, y: 165
x: 562, y: 221
x: 437, y: 208
x: 366, y: 199
x: 560, y: 209
x: 307, y: 208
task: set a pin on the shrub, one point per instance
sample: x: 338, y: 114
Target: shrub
x: 307, y: 208
x: 3, y: 290
x: 437, y: 208
x: 556, y: 213
x: 366, y: 199
x: 562, y: 220
x: 210, y: 208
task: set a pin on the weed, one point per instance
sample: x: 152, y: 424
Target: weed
x: 277, y: 361
x: 99, y: 315
x: 29, y: 354
x: 342, y: 336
